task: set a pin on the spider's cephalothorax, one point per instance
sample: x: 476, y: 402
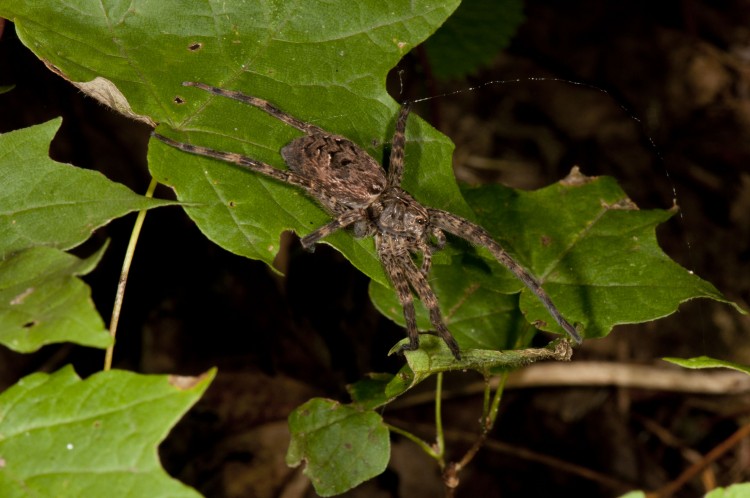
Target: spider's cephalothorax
x: 355, y: 189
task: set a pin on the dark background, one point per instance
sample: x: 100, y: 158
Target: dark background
x: 675, y: 119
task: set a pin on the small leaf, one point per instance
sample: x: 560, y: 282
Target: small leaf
x: 734, y: 491
x: 44, y: 202
x: 342, y: 445
x: 473, y: 36
x: 6, y: 88
x: 707, y: 362
x: 377, y: 389
x: 43, y: 302
x: 70, y: 437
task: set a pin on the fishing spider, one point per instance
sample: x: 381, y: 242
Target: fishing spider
x: 359, y: 194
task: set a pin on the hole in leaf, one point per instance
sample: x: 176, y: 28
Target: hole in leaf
x: 30, y: 324
x: 179, y: 100
x: 195, y: 46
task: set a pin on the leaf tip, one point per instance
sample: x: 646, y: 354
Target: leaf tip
x: 188, y: 382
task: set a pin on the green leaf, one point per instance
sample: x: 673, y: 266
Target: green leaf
x: 595, y: 253
x: 342, y: 445
x: 6, y: 88
x: 44, y: 202
x: 473, y: 36
x: 92, y: 437
x: 325, y: 64
x: 43, y: 302
x: 378, y: 389
x: 734, y: 491
x: 707, y: 362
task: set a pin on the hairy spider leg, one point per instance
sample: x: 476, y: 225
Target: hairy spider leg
x: 477, y: 235
x: 261, y: 104
x: 397, y: 277
x: 308, y: 241
x: 426, y: 260
x: 346, y: 215
x: 419, y: 283
x: 427, y: 249
x: 396, y: 162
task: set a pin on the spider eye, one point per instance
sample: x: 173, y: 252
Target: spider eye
x: 421, y: 221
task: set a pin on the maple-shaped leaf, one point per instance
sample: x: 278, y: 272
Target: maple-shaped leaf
x: 63, y: 436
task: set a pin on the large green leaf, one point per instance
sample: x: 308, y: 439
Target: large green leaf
x: 46, y: 203
x: 594, y: 251
x: 43, y: 302
x: 72, y: 438
x: 324, y: 62
x: 342, y: 445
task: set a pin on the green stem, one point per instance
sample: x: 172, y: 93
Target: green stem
x: 440, y: 436
x: 495, y: 406
x: 488, y: 423
x: 486, y: 400
x: 414, y: 439
x: 120, y: 295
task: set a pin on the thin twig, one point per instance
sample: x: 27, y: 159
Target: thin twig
x: 600, y: 373
x: 120, y: 295
x: 532, y: 456
x: 697, y: 467
x: 595, y: 373
x: 489, y: 415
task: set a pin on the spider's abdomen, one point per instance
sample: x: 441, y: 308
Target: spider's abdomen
x: 398, y: 213
x: 349, y: 174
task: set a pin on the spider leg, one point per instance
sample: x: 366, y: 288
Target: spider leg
x: 261, y: 104
x: 473, y: 233
x: 396, y: 163
x: 426, y: 261
x: 427, y: 250
x: 312, y: 186
x: 343, y: 221
x: 397, y: 277
x: 427, y: 296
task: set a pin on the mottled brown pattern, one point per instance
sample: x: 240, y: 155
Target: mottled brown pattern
x: 355, y: 189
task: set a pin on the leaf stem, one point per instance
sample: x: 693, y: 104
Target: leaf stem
x: 439, y: 435
x: 414, y: 439
x: 120, y: 295
x: 495, y: 406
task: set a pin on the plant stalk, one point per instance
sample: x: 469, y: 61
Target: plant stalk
x: 127, y: 261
